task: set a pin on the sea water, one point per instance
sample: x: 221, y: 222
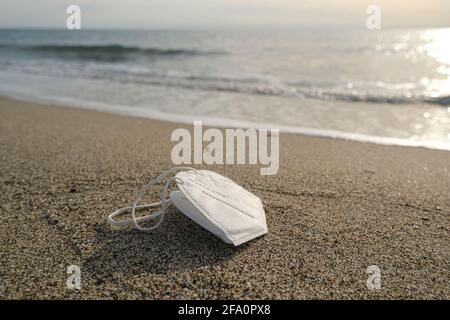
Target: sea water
x: 389, y: 86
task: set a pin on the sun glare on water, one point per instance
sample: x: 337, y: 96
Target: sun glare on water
x: 437, y: 47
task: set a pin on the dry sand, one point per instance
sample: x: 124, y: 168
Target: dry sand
x: 335, y: 208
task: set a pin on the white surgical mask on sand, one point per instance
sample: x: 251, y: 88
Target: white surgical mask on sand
x: 213, y: 201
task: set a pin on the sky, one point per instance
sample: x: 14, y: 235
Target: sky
x: 210, y: 14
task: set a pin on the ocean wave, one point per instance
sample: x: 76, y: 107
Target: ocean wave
x: 443, y: 101
x: 325, y: 90
x: 384, y: 99
x: 108, y: 53
x: 275, y: 87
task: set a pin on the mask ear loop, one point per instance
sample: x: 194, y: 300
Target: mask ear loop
x: 164, y: 202
x: 127, y: 222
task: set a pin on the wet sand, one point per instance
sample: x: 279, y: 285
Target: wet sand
x: 334, y: 209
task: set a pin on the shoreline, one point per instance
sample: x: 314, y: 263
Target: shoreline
x: 228, y: 123
x: 335, y: 208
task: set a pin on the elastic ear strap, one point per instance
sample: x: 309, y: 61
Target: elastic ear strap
x: 164, y: 203
x: 160, y: 213
x: 128, y: 222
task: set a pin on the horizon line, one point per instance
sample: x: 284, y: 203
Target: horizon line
x: 216, y: 28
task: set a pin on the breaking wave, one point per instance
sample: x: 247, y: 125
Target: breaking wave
x: 107, y: 52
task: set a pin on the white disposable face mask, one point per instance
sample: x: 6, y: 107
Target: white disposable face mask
x: 213, y: 201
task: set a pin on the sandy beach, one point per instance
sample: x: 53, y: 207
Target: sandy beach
x: 334, y: 209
